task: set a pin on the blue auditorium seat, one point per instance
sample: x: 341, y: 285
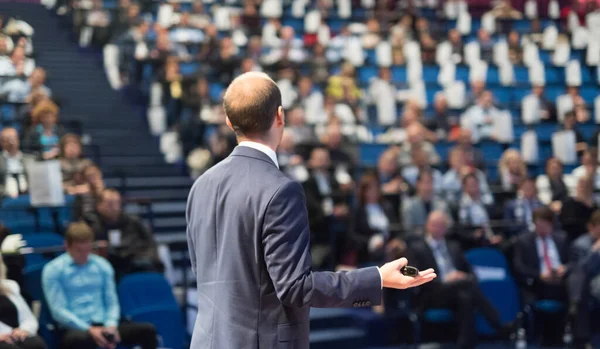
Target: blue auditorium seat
x: 215, y: 91
x: 148, y: 297
x: 554, y: 75
x: 371, y: 57
x: 296, y: 23
x: 189, y: 68
x: 438, y: 315
x: 491, y: 150
x: 430, y: 74
x: 493, y: 76
x: 366, y: 73
x: 37, y: 240
x: 589, y: 93
x: 496, y: 283
x: 586, y: 75
x: 369, y: 153
x: 545, y: 131
x: 399, y: 74
x: 521, y: 75
x: 462, y: 73
x: 502, y: 95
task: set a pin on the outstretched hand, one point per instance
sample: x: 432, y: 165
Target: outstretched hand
x: 392, y: 278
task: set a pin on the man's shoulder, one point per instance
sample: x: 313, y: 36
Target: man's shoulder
x: 56, y: 264
x: 101, y: 262
x: 583, y: 242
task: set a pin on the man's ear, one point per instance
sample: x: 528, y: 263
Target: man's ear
x: 228, y: 123
x: 280, y: 117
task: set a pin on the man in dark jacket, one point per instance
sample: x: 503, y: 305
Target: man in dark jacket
x: 456, y: 287
x: 132, y: 246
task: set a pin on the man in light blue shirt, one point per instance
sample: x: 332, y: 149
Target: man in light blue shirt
x: 80, y: 291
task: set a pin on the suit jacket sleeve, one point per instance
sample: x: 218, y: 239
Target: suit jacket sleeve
x: 286, y: 249
x: 524, y: 270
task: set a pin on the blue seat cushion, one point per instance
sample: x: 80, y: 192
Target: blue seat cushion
x: 437, y: 315
x: 549, y: 306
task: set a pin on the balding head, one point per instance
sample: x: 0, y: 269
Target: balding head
x: 10, y: 140
x: 437, y: 224
x: 252, y: 102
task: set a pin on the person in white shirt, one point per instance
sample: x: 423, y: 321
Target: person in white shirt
x: 480, y: 118
x: 19, y: 90
x: 13, y: 171
x: 589, y: 168
x: 18, y: 325
x: 571, y: 101
x: 535, y: 107
x: 383, y: 94
x: 311, y: 100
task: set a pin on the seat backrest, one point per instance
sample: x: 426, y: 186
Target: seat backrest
x: 148, y: 297
x: 496, y: 283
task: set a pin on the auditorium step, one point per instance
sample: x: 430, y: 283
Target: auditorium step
x: 340, y: 338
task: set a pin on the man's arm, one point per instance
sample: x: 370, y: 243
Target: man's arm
x: 524, y: 270
x: 57, y: 300
x: 287, y: 256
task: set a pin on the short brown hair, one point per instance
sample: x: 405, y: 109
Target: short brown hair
x: 69, y: 137
x: 544, y: 213
x: 595, y: 219
x: 251, y: 110
x: 79, y: 232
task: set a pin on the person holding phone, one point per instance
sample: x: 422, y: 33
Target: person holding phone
x: 80, y: 291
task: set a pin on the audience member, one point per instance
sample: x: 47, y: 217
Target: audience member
x: 540, y: 259
x: 72, y: 163
x: 18, y: 324
x: 44, y: 136
x: 512, y: 170
x: 373, y: 234
x: 584, y: 270
x: 474, y: 216
x: 456, y: 286
x: 551, y: 186
x: 416, y: 209
x: 589, y: 168
x: 481, y: 118
x: 13, y: 165
x: 419, y: 163
x: 518, y: 213
x: 570, y: 124
x: 452, y: 179
x: 19, y: 90
x: 578, y: 209
x: 87, y: 195
x: 132, y: 245
x: 473, y: 156
x: 572, y: 101
x: 81, y: 294
x: 535, y: 107
x: 414, y: 137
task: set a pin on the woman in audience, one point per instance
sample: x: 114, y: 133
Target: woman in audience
x: 515, y: 48
x: 18, y: 325
x: 589, y: 167
x: 85, y: 201
x: 44, y: 136
x: 551, y: 186
x: 512, y: 170
x: 577, y: 210
x: 342, y: 86
x: 72, y: 163
x: 372, y: 235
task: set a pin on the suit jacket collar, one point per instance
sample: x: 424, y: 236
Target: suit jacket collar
x: 252, y: 153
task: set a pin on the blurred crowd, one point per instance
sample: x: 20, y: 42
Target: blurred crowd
x: 356, y: 72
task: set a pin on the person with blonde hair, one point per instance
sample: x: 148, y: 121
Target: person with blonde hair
x: 512, y: 170
x: 18, y: 325
x: 44, y: 135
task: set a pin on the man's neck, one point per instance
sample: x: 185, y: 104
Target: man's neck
x: 264, y: 142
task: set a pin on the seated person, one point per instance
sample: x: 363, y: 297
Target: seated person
x: 18, y: 325
x: 13, y: 170
x: 416, y: 209
x: 80, y: 291
x: 372, y: 234
x: 43, y: 137
x: 474, y: 222
x: 551, y: 186
x: 421, y: 163
x: 132, y: 245
x: 518, y: 213
x: 452, y: 179
x: 455, y: 287
x: 325, y: 199
x: 577, y: 210
x: 584, y: 271
x: 72, y: 162
x: 540, y: 259
x: 87, y: 194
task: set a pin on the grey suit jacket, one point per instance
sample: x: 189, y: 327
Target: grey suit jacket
x: 248, y: 237
x: 414, y: 215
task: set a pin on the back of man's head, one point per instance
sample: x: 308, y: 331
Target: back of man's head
x: 251, y: 104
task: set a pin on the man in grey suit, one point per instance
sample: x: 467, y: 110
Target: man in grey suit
x: 248, y: 236
x: 416, y: 209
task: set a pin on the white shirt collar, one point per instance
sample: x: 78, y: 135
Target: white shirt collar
x: 263, y: 148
